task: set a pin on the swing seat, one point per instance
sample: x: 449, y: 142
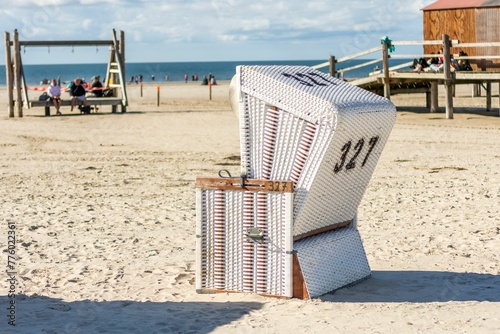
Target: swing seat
x: 91, y: 101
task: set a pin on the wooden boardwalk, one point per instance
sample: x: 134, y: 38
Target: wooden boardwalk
x: 397, y: 80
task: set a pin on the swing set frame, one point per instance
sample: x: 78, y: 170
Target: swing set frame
x: 15, y: 80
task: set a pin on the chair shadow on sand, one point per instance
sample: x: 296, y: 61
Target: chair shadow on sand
x: 40, y: 314
x: 420, y: 287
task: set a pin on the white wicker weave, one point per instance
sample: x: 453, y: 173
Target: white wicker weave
x: 296, y: 124
x: 226, y: 259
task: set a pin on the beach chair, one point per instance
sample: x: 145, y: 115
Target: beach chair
x: 288, y: 226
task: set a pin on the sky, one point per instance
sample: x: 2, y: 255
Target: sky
x: 210, y: 30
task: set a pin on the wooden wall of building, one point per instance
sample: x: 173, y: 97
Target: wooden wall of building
x: 459, y: 24
x: 488, y: 30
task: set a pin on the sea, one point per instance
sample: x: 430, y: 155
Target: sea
x: 167, y: 71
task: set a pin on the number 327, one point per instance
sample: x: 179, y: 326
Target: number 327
x: 358, y: 148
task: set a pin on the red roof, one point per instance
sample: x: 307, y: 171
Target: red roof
x: 454, y: 4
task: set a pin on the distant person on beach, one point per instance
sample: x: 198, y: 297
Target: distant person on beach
x: 78, y: 93
x: 186, y: 77
x: 166, y: 77
x: 205, y: 80
x: 152, y: 77
x: 96, y: 87
x: 211, y: 79
x: 54, y: 93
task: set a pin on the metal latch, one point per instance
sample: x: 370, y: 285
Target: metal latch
x: 255, y: 234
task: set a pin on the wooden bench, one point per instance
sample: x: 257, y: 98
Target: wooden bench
x: 91, y: 101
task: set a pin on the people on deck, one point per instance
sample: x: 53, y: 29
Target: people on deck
x: 78, y: 93
x: 54, y: 93
x: 464, y: 64
x: 420, y: 65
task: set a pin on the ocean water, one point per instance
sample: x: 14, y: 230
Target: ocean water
x: 34, y: 74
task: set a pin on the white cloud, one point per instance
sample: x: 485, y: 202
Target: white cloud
x: 324, y: 25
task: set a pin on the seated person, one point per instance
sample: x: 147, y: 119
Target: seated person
x: 454, y: 64
x: 419, y: 65
x: 96, y: 87
x: 464, y: 64
x: 54, y: 93
x: 78, y: 93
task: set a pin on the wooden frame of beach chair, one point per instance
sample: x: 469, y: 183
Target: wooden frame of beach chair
x: 325, y: 136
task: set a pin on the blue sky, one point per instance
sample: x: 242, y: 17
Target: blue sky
x: 210, y: 30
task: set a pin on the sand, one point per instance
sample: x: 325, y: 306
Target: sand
x: 104, y: 213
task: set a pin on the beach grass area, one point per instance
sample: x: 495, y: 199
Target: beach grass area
x: 103, y: 209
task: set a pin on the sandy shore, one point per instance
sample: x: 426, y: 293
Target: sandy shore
x: 104, y: 211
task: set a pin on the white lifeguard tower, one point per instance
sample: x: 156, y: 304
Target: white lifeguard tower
x: 287, y: 227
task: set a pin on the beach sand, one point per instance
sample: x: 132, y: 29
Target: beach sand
x: 104, y: 212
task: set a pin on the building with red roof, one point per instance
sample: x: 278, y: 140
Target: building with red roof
x: 468, y: 21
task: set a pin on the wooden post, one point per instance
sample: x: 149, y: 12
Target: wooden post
x: 122, y: 53
x: 488, y: 96
x: 210, y: 91
x: 9, y: 75
x: 385, y: 62
x: 448, y: 81
x: 157, y: 96
x: 434, y: 96
x: 332, y: 62
x: 476, y: 90
x: 140, y: 86
x: 122, y: 57
x: 17, y: 74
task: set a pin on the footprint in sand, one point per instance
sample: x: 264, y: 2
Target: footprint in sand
x: 182, y: 278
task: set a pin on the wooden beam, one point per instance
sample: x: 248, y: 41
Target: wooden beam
x: 362, y: 53
x: 385, y: 65
x: 66, y: 43
x: 435, y: 42
x: 234, y: 183
x: 434, y: 97
x: 478, y: 45
x: 448, y: 81
x: 17, y: 74
x: 371, y: 62
x: 315, y: 67
x: 124, y: 76
x: 488, y: 96
x: 331, y: 62
x: 299, y: 285
x: 9, y: 76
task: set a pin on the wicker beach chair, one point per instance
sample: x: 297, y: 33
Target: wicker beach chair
x: 309, y: 145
